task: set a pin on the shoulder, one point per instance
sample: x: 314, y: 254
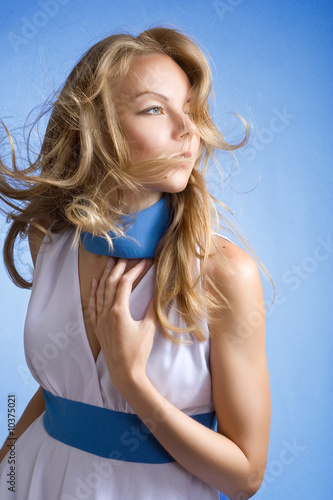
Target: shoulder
x: 36, y: 233
x: 235, y: 283
x: 230, y: 267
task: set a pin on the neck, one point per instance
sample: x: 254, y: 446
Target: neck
x: 137, y: 202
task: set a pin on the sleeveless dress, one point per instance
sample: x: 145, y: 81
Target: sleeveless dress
x: 60, y: 359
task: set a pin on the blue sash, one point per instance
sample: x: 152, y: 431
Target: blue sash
x: 107, y: 433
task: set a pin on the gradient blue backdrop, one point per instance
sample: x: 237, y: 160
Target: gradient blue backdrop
x: 272, y: 64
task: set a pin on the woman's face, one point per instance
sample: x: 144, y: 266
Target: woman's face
x: 153, y: 107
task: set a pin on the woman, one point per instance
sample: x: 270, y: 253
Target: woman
x: 137, y: 306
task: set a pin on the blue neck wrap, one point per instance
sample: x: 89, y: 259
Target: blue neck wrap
x: 142, y: 235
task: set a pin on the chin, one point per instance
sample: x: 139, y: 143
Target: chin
x: 177, y: 188
x: 175, y: 183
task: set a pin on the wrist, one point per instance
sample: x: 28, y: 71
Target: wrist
x: 131, y: 383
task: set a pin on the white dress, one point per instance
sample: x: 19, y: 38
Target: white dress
x: 60, y: 359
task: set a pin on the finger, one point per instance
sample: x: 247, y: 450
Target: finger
x: 92, y: 302
x: 111, y: 284
x: 110, y: 264
x: 124, y: 288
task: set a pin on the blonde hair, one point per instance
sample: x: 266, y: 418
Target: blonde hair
x: 84, y: 158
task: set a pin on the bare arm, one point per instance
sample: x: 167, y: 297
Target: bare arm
x: 233, y: 459
x: 36, y: 406
x: 240, y: 379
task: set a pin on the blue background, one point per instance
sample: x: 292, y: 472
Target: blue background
x: 272, y: 65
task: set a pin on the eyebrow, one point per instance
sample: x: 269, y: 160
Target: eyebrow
x: 151, y: 92
x: 139, y: 94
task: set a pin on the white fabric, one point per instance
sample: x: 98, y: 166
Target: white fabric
x: 60, y: 359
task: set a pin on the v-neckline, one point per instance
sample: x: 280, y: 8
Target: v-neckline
x: 81, y: 314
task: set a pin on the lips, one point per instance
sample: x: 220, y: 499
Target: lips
x: 187, y: 154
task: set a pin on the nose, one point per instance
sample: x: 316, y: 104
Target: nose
x: 185, y: 128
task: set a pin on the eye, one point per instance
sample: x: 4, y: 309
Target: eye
x: 154, y: 110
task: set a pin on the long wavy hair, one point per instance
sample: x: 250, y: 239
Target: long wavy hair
x: 80, y: 175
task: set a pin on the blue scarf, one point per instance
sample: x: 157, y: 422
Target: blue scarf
x: 142, y: 235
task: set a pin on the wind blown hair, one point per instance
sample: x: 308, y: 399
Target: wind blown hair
x: 79, y: 177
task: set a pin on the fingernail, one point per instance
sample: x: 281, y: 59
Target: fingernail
x: 109, y: 262
x: 94, y: 283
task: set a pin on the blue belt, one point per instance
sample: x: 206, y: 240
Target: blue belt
x: 107, y: 433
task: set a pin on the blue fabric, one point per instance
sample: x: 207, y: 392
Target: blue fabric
x: 107, y: 433
x: 145, y: 232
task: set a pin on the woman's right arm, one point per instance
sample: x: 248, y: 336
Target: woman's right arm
x: 36, y: 406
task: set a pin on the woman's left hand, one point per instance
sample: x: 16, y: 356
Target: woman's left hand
x: 125, y: 343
